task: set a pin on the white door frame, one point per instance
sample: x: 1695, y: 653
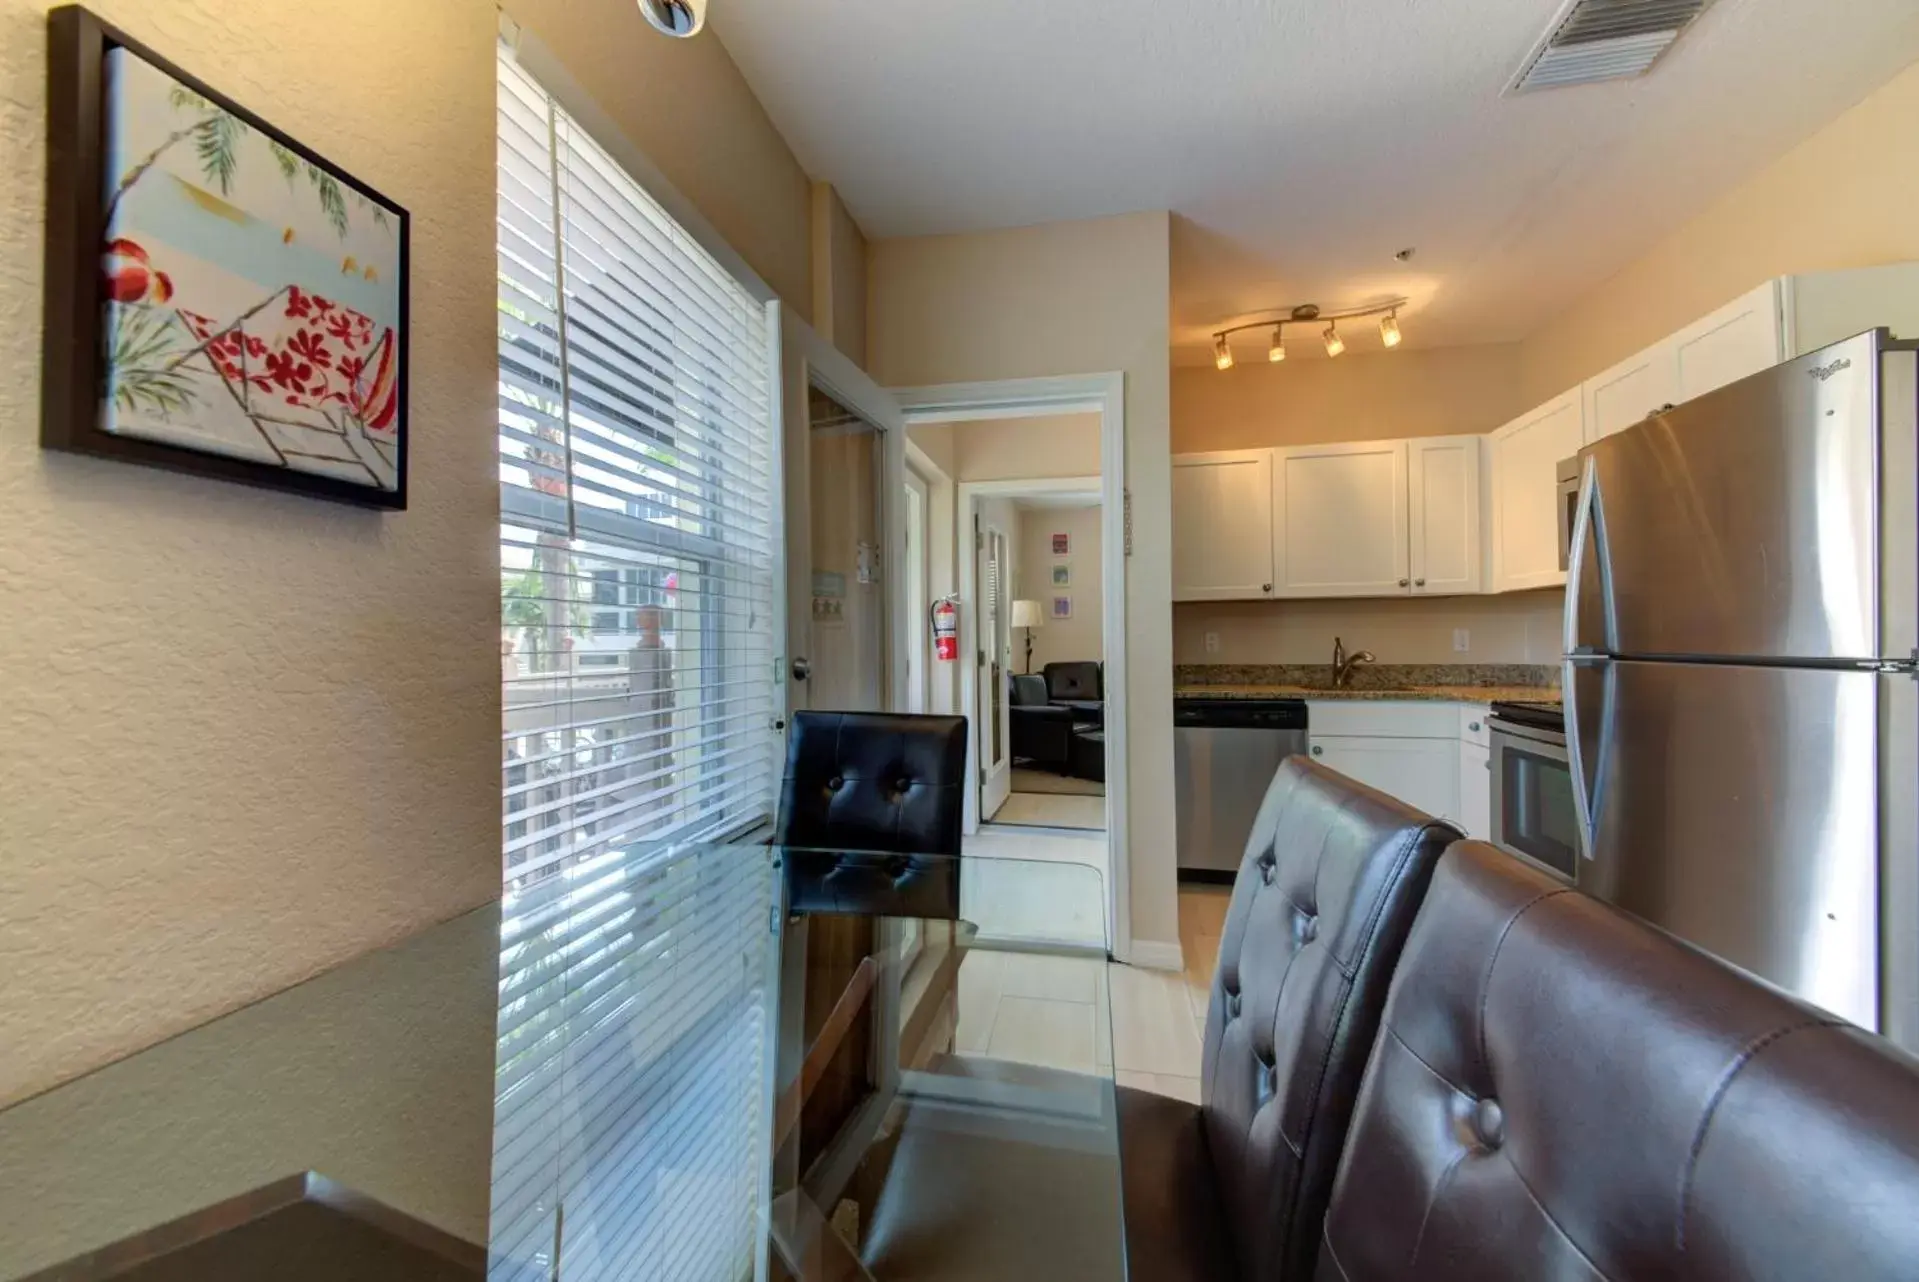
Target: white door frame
x: 1105, y: 395
x: 916, y: 616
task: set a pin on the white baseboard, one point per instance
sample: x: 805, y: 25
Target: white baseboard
x: 1156, y: 954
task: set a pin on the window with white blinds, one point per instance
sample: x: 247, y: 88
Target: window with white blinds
x: 636, y: 498
x: 637, y: 572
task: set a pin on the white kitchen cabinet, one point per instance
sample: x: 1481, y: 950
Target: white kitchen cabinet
x: 1475, y: 814
x: 1423, y: 773
x: 1442, y: 488
x: 1340, y: 520
x: 1740, y: 339
x: 1626, y: 393
x: 1223, y: 526
x: 1522, y: 466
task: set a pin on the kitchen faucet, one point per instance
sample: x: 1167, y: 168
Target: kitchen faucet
x: 1343, y: 663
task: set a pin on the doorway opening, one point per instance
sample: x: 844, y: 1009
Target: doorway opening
x: 994, y: 449
x: 1056, y: 689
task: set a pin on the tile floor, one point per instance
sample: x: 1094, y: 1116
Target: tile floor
x: 1043, y: 1009
x: 1052, y: 810
x: 1062, y: 904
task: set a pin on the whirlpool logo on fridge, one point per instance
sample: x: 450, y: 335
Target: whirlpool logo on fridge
x: 1824, y: 372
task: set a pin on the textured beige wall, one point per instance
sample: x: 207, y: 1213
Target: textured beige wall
x: 248, y: 734
x: 1843, y: 198
x: 687, y: 107
x: 1013, y: 449
x: 848, y: 248
x: 1516, y: 627
x: 1363, y: 397
x: 1066, y: 298
x: 1079, y: 637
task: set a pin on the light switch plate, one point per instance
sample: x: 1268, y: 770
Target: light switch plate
x: 1462, y: 640
x: 1212, y: 643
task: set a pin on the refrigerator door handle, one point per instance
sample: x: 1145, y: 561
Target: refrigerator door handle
x: 1588, y: 528
x: 1584, y: 792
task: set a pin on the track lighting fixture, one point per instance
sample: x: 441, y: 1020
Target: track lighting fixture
x: 1388, y: 313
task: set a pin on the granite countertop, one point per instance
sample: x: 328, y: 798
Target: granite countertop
x: 1376, y: 682
x: 1424, y: 694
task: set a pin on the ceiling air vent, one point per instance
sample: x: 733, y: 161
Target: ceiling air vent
x: 1605, y: 40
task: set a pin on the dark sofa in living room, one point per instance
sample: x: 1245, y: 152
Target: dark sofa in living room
x: 1057, y: 720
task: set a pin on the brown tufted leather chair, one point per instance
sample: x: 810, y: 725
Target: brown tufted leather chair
x: 1235, y: 1188
x: 1561, y: 1091
x: 860, y: 782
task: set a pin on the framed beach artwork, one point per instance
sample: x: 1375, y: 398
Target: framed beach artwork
x: 220, y: 299
x: 1062, y: 574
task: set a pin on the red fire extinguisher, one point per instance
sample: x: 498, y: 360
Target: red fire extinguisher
x: 946, y: 629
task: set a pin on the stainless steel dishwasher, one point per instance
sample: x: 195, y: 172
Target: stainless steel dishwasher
x: 1225, y: 753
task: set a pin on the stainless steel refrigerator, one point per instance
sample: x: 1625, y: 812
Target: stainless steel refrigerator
x: 1742, y: 697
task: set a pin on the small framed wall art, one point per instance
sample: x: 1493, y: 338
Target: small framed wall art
x: 1062, y: 575
x: 1062, y: 607
x: 220, y: 298
x: 1062, y: 544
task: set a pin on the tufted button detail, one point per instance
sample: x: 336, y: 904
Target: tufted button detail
x: 1266, y: 873
x: 1308, y: 930
x: 835, y: 784
x: 1489, y: 1123
x: 1232, y: 1006
x: 902, y: 784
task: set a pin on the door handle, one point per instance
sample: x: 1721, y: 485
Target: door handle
x: 1588, y: 528
x: 802, y: 669
x: 1584, y: 793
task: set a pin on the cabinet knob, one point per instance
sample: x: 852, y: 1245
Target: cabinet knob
x: 1419, y: 583
x: 1473, y: 726
x: 1265, y: 587
x: 1318, y: 751
x: 1402, y: 583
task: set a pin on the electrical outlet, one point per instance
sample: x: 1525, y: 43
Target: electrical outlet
x: 1212, y: 643
x: 1462, y: 640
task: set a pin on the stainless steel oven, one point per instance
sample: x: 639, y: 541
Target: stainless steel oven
x: 1534, y: 815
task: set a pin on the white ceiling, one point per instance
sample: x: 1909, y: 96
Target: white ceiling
x: 1301, y: 142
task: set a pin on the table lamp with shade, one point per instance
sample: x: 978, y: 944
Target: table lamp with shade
x: 1028, y: 615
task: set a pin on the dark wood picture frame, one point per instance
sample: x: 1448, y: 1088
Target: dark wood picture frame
x: 72, y: 361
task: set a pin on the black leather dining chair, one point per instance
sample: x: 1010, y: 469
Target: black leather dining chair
x: 870, y: 810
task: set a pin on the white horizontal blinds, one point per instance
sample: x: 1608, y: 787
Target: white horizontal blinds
x: 630, y: 1123
x: 637, y: 540
x: 636, y: 486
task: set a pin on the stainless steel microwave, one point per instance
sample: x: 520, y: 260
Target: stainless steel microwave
x: 1568, y: 474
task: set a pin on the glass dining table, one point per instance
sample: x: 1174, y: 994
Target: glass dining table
x: 691, y: 1063
x: 943, y: 1100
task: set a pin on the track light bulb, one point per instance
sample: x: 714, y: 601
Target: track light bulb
x: 1277, y: 352
x: 1222, y: 354
x: 1334, y: 343
x: 1389, y: 329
